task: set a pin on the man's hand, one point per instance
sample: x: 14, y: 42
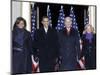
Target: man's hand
x: 81, y: 64
x: 36, y: 59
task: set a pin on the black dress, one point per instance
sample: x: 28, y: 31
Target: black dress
x: 89, y: 52
x: 69, y: 49
x: 21, y: 51
x: 47, y: 44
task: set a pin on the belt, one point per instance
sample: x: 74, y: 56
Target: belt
x: 18, y: 49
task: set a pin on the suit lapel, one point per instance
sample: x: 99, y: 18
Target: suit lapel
x: 45, y: 35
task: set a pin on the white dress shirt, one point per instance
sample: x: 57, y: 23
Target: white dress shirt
x: 46, y: 29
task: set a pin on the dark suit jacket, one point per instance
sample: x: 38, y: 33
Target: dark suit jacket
x: 69, y: 49
x: 47, y: 43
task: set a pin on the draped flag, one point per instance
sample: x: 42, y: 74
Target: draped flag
x: 49, y: 15
x: 72, y: 15
x: 35, y: 65
x: 33, y: 21
x: 74, y: 23
x: 86, y: 18
x: 61, y: 17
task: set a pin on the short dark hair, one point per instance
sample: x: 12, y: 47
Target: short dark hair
x: 18, y: 21
x: 45, y: 17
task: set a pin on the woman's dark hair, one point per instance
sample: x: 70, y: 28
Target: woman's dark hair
x: 18, y: 21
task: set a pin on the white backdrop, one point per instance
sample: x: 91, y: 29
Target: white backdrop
x: 21, y: 9
x: 16, y: 10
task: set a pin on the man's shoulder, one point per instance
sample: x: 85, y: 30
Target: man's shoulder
x: 38, y: 30
x: 54, y: 30
x: 75, y: 30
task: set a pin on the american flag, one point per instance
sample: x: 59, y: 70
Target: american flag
x: 61, y: 17
x: 49, y: 15
x: 74, y: 23
x: 35, y: 65
x: 33, y: 22
x: 72, y: 15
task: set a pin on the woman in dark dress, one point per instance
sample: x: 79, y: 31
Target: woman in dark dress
x: 89, y: 47
x: 21, y: 48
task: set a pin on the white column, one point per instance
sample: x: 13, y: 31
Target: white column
x: 92, y: 16
x: 16, y: 11
x: 26, y: 14
x: 37, y: 17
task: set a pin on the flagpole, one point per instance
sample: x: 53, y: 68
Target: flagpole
x: 47, y: 10
x: 84, y: 15
x: 37, y: 17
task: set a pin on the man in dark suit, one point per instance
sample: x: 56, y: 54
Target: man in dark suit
x: 46, y: 41
x: 69, y: 46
